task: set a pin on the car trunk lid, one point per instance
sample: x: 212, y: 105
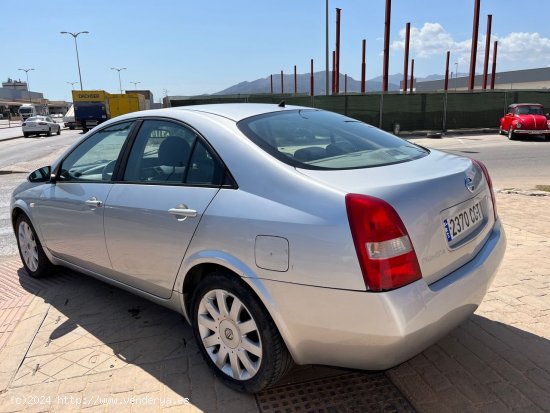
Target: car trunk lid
x: 428, y: 193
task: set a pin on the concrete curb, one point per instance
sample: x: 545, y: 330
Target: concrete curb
x: 449, y: 134
x: 516, y: 191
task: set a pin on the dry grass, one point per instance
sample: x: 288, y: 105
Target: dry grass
x: 543, y: 188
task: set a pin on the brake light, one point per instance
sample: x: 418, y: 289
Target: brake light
x: 485, y: 171
x: 385, y: 252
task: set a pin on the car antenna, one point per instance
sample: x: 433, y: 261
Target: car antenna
x: 282, y: 104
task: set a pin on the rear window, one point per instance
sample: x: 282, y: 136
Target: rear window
x: 314, y: 139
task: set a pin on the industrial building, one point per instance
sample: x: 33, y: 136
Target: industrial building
x: 14, y: 93
x: 528, y: 79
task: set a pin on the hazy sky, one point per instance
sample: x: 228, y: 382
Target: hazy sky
x: 195, y: 47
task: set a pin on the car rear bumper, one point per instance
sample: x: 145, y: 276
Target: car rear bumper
x: 376, y: 331
x: 36, y: 129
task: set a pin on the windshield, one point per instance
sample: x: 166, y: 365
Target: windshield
x: 36, y: 118
x: 314, y: 139
x: 25, y: 110
x: 530, y: 110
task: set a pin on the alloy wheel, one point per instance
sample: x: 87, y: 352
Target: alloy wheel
x: 229, y: 334
x: 28, y: 246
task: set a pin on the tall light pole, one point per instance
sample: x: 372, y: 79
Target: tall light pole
x: 75, y: 35
x: 119, y: 69
x: 135, y: 84
x: 456, y: 74
x: 72, y: 85
x: 28, y: 86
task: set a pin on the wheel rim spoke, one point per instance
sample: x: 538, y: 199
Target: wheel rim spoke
x: 222, y: 305
x: 214, y: 313
x: 235, y: 309
x: 235, y: 368
x: 251, y: 347
x: 247, y: 327
x: 247, y: 363
x: 211, y: 341
x: 207, y: 322
x: 221, y: 357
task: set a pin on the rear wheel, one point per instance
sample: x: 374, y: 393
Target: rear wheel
x: 32, y: 255
x: 238, y: 340
x: 511, y: 134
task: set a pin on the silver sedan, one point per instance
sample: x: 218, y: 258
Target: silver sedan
x: 37, y: 125
x: 282, y: 234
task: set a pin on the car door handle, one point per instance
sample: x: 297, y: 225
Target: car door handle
x: 94, y: 202
x: 183, y: 211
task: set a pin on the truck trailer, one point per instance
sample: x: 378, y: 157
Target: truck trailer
x: 92, y: 107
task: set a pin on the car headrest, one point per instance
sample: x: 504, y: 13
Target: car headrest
x: 174, y: 151
x: 310, y: 154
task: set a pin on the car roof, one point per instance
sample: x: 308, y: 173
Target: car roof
x: 524, y: 104
x: 238, y: 111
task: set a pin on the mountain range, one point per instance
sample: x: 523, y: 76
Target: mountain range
x: 262, y: 85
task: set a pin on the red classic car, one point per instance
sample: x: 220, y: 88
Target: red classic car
x: 525, y: 119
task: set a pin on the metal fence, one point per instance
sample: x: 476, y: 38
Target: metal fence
x: 418, y: 111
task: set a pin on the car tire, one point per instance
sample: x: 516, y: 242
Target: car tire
x: 511, y: 134
x: 32, y: 255
x: 49, y: 132
x: 26, y: 135
x: 71, y: 127
x: 255, y: 356
x: 59, y: 130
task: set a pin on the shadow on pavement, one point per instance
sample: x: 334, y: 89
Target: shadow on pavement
x: 94, y: 329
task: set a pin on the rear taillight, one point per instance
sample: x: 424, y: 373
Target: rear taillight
x: 385, y: 251
x: 483, y: 168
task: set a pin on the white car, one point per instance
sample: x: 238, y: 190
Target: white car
x: 40, y: 124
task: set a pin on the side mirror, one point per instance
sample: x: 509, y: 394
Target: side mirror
x: 40, y: 175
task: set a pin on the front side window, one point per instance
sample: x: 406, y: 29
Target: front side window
x: 314, y: 139
x: 96, y: 157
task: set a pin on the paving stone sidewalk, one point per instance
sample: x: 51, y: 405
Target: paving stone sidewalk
x: 80, y: 345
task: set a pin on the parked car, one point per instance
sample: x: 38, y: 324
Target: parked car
x: 57, y: 117
x: 281, y: 233
x: 525, y: 119
x: 37, y: 125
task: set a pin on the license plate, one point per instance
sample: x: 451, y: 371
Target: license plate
x: 463, y: 221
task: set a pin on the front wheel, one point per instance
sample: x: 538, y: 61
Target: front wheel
x: 59, y: 130
x: 32, y: 255
x: 511, y: 134
x: 49, y: 132
x: 26, y: 135
x: 236, y: 336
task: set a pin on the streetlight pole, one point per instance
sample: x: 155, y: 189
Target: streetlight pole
x: 119, y: 69
x: 326, y: 47
x: 72, y: 85
x: 456, y: 74
x: 28, y: 85
x: 75, y: 35
x: 135, y: 84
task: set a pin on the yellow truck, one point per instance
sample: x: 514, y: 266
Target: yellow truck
x: 92, y: 107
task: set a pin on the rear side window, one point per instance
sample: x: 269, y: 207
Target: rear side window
x: 313, y: 139
x: 169, y: 153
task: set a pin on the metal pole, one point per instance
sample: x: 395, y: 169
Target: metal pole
x: 406, y: 60
x: 346, y: 84
x: 456, y: 74
x: 337, y: 88
x: 363, y: 67
x: 487, y: 47
x: 282, y: 84
x: 494, y: 71
x: 387, y: 22
x: 75, y: 35
x: 473, y: 56
x: 119, y: 69
x: 311, y: 80
x: 295, y: 81
x: 326, y: 50
x: 333, y: 72
x: 271, y: 83
x: 28, y: 84
x: 412, y: 76
x: 447, y: 71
